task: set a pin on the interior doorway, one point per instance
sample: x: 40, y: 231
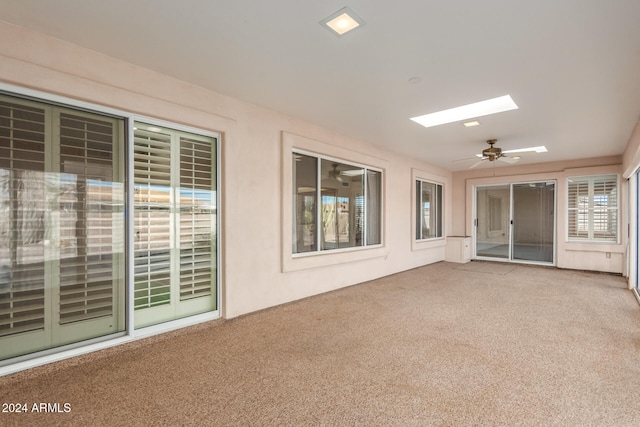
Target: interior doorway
x: 516, y: 222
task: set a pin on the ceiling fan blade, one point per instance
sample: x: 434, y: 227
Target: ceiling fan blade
x: 477, y: 163
x: 539, y: 149
x: 507, y: 159
x: 465, y: 159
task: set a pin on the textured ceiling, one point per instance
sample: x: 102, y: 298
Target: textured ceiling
x: 572, y: 66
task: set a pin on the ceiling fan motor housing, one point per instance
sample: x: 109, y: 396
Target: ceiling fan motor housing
x: 492, y: 152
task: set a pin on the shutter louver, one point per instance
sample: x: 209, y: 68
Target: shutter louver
x: 578, y: 197
x: 86, y: 197
x: 22, y: 218
x: 152, y: 176
x: 197, y: 209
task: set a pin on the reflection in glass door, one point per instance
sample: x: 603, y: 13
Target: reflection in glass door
x: 516, y: 222
x: 61, y: 226
x: 492, y: 223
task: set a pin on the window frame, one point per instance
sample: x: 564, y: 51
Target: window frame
x: 324, y: 259
x: 439, y: 187
x: 318, y: 204
x: 591, y: 181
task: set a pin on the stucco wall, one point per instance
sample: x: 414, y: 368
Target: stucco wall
x: 254, y: 249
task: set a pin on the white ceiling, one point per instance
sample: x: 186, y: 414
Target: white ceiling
x: 572, y: 66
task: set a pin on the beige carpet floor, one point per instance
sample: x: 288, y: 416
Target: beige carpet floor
x: 434, y: 346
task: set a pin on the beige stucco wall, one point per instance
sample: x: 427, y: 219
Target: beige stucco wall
x: 256, y: 266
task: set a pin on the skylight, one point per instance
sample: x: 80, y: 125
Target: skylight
x: 465, y: 112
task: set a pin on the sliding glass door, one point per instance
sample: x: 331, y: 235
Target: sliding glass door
x: 493, y: 230
x: 533, y: 221
x: 175, y: 224
x: 65, y: 226
x: 61, y: 226
x: 516, y: 222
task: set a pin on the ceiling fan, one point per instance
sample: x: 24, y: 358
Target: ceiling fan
x: 334, y: 173
x: 497, y: 154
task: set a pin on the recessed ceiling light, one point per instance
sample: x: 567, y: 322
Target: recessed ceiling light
x: 477, y: 109
x: 342, y: 21
x: 471, y: 124
x: 154, y: 129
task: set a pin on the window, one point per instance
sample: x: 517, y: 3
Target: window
x: 428, y: 210
x: 336, y: 205
x: 593, y: 208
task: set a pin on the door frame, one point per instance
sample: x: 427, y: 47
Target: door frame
x: 509, y: 258
x: 633, y: 260
x: 130, y: 332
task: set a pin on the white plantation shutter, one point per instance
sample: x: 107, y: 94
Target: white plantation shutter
x: 578, y: 198
x: 152, y: 240
x: 87, y: 198
x: 22, y: 218
x: 605, y: 209
x: 61, y: 226
x: 175, y: 223
x: 197, y: 204
x: 593, y: 208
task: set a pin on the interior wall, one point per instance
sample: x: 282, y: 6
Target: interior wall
x: 253, y: 164
x: 606, y: 257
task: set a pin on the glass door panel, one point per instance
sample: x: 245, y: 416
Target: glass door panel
x: 175, y: 224
x: 533, y: 221
x: 61, y: 226
x: 516, y: 222
x: 89, y: 196
x: 493, y: 221
x: 152, y: 226
x: 196, y: 226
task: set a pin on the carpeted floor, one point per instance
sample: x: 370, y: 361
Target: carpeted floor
x: 487, y: 267
x: 437, y: 345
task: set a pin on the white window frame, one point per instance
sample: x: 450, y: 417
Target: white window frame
x: 439, y: 211
x: 319, y: 158
x: 590, y: 180
x: 297, y: 262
